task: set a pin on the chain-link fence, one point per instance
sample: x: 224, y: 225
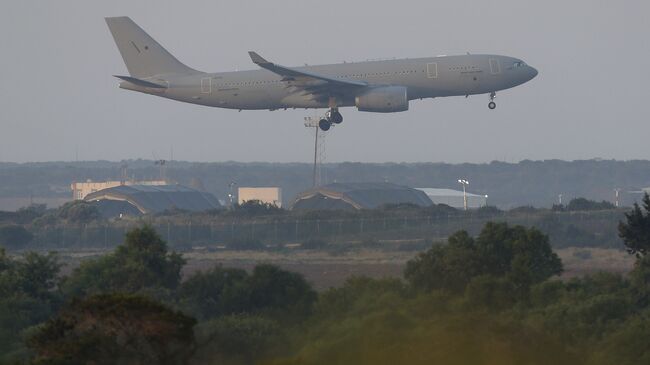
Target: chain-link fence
x: 584, y: 228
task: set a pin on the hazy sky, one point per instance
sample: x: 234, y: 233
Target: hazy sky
x: 58, y: 98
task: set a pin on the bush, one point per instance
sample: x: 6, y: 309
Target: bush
x: 142, y: 262
x: 523, y: 255
x: 115, y: 329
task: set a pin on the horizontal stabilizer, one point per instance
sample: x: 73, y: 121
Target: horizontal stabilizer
x: 142, y: 83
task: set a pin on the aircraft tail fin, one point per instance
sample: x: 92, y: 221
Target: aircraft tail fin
x: 143, y: 56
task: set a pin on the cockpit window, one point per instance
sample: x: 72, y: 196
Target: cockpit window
x: 519, y: 64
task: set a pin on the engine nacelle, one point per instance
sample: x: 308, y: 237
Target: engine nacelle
x: 383, y: 99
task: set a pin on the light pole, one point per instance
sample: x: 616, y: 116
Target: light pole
x: 464, y: 182
x: 230, y: 194
x: 617, y: 192
x: 486, y: 197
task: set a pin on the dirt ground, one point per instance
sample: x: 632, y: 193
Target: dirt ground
x: 326, y: 269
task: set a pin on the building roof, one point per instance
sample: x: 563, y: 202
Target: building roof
x: 156, y: 199
x: 446, y: 192
x: 359, y: 196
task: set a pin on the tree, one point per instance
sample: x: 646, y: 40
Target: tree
x: 280, y: 292
x: 635, y: 231
x: 217, y: 292
x: 238, y: 339
x: 579, y: 204
x: 115, y: 329
x: 27, y: 296
x: 142, y: 262
x: 522, y: 255
x: 14, y: 236
x: 78, y: 211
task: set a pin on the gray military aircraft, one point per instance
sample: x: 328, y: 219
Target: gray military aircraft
x: 373, y: 86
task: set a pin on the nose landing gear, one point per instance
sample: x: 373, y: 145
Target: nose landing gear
x: 492, y: 104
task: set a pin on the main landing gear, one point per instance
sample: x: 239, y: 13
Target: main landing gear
x: 333, y: 116
x: 492, y: 104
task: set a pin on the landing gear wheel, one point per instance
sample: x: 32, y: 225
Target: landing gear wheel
x: 324, y: 124
x: 492, y: 105
x: 336, y: 117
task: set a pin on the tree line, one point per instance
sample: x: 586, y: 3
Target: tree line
x: 485, y: 299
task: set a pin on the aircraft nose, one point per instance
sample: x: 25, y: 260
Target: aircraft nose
x: 533, y: 72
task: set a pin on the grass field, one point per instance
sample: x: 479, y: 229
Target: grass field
x: 326, y: 268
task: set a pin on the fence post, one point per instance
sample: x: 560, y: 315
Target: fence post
x: 169, y: 236
x: 296, y: 229
x: 275, y: 229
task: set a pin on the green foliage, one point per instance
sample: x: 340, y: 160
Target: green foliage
x: 14, y: 236
x: 520, y: 255
x: 269, y: 291
x: 114, y: 329
x: 582, y: 204
x: 214, y: 293
x: 238, y: 339
x: 142, y: 263
x: 27, y: 296
x: 253, y: 208
x: 640, y: 281
x: 635, y: 231
x: 78, y: 211
x: 281, y: 293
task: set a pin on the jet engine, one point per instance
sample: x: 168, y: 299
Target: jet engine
x: 384, y: 99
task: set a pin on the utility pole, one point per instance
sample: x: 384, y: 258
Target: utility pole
x: 312, y: 122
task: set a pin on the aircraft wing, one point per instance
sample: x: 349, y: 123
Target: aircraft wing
x: 308, y: 80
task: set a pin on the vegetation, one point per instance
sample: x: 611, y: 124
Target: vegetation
x: 114, y: 329
x: 635, y: 232
x: 141, y: 263
x: 14, y: 236
x: 488, y: 299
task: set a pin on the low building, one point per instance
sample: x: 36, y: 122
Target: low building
x: 353, y: 196
x: 269, y: 195
x: 150, y: 199
x: 454, y: 198
x: 81, y: 189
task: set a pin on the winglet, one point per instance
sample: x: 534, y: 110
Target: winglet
x: 257, y: 59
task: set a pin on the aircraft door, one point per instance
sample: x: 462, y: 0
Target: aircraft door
x: 206, y: 85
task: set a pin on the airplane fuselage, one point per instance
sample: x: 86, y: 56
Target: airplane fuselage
x: 432, y: 77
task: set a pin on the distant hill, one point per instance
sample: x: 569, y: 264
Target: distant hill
x: 508, y: 185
